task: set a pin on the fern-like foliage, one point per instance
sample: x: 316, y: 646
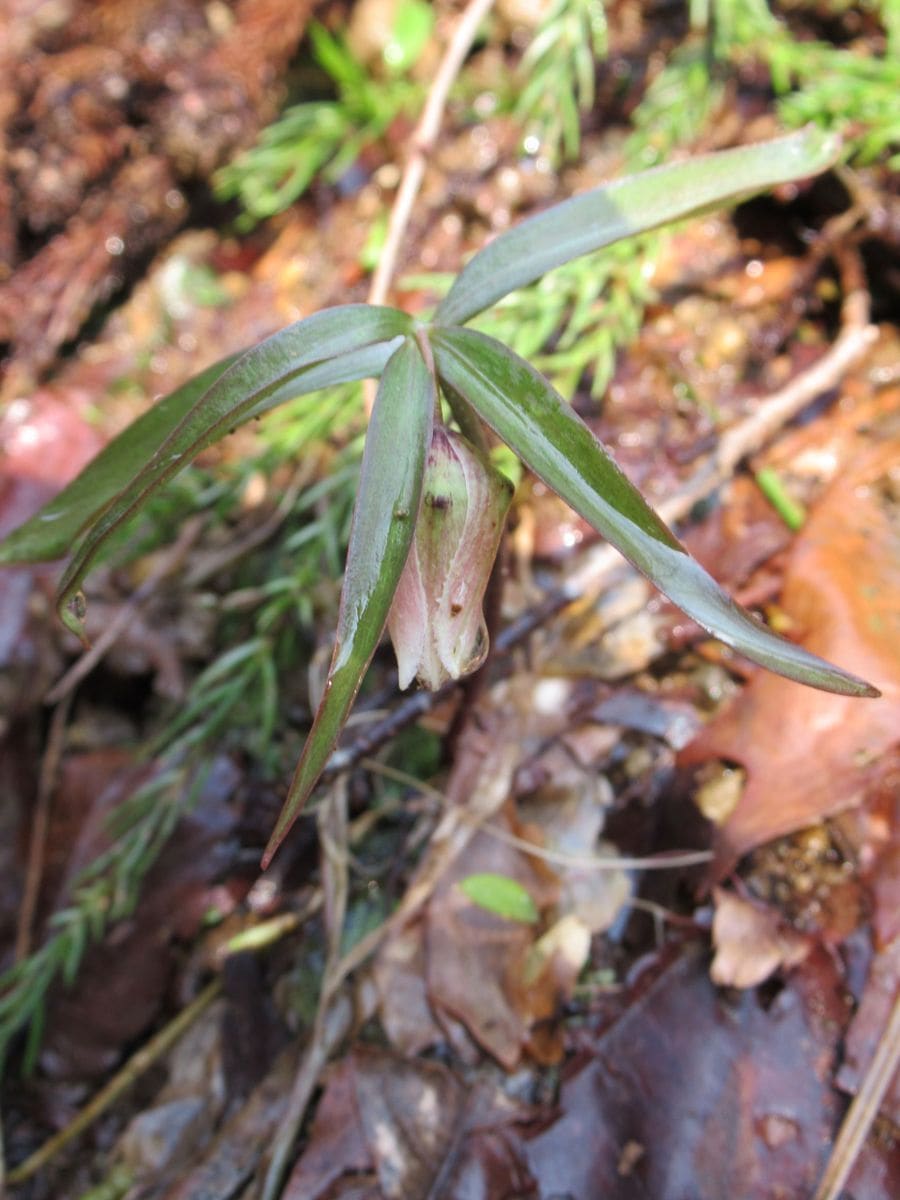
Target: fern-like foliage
x: 557, y: 70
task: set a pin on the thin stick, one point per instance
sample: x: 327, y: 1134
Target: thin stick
x: 863, y: 1111
x: 40, y: 824
x: 334, y: 1013
x: 136, y: 1066
x: 422, y: 143
x: 768, y: 415
x: 666, y: 861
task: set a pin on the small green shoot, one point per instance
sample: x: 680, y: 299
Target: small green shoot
x: 502, y: 896
x: 772, y: 487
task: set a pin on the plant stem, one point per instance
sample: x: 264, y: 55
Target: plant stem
x: 136, y: 1066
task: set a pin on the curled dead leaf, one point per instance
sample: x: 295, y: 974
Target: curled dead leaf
x: 751, y: 942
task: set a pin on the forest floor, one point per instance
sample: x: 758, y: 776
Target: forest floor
x: 711, y: 960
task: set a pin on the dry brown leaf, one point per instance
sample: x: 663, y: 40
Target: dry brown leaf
x: 414, y: 1127
x: 810, y: 754
x: 475, y: 959
x: 405, y: 1013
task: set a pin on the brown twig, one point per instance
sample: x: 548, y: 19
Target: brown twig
x: 136, y: 1066
x: 863, y: 1111
x: 768, y: 414
x: 422, y: 143
x: 483, y: 770
x: 37, y: 845
x: 334, y: 1013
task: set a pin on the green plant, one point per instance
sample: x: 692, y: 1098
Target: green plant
x: 481, y: 380
x: 843, y: 89
x: 233, y: 703
x: 326, y: 136
x: 558, y: 73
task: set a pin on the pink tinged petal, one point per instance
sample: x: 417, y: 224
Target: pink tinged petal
x: 437, y: 623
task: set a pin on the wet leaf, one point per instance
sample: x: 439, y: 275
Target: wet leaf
x: 336, y: 1144
x: 387, y: 504
x: 222, y: 1170
x: 500, y: 895
x: 534, y: 420
x: 694, y: 1094
x: 417, y: 1129
x: 121, y: 981
x: 626, y: 207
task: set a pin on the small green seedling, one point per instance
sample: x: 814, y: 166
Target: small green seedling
x: 429, y: 507
x: 500, y: 895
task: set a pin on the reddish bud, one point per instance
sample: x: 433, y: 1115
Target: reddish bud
x: 437, y: 622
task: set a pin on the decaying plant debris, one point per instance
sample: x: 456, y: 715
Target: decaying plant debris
x: 358, y: 1021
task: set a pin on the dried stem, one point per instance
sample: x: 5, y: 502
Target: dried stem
x: 422, y: 143
x: 863, y: 1111
x: 136, y: 1066
x: 39, y: 825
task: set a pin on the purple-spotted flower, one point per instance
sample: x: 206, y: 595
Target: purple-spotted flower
x: 436, y: 621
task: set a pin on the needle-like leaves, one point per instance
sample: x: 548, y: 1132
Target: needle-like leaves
x: 384, y: 519
x: 625, y: 207
x: 302, y: 358
x: 534, y: 420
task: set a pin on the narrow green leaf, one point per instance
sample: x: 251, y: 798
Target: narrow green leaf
x: 387, y: 505
x: 534, y: 420
x: 769, y: 482
x: 301, y: 358
x: 501, y: 895
x: 51, y: 532
x: 626, y: 207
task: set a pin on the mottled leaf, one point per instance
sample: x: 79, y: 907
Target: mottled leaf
x: 625, y: 207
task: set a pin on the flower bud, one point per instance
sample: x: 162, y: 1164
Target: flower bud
x: 436, y: 622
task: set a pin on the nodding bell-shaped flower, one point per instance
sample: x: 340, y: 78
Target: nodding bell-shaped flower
x: 436, y: 622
